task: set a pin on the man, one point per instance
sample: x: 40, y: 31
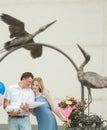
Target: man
x: 16, y: 103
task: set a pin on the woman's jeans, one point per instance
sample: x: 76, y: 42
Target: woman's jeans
x: 19, y: 123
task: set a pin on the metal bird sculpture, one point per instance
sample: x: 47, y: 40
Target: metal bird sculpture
x: 21, y: 36
x: 90, y: 79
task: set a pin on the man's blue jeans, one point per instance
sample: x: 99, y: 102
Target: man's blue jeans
x: 22, y: 123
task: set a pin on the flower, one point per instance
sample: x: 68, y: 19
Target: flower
x: 72, y: 110
x: 68, y: 102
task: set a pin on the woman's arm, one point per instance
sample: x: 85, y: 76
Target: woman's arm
x: 53, y: 107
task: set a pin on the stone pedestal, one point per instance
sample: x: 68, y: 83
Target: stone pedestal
x: 88, y: 128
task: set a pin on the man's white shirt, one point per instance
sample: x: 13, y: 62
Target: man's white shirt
x: 17, y: 95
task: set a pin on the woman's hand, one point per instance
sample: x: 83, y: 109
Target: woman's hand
x: 31, y: 111
x: 64, y: 119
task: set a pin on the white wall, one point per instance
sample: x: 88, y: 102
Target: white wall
x: 78, y: 21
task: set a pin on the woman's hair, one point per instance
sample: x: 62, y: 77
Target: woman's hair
x: 40, y: 83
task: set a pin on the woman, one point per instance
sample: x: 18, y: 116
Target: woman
x: 45, y: 117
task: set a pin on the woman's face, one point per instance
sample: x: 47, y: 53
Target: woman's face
x: 35, y: 86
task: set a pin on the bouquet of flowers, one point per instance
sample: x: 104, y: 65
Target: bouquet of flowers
x: 72, y: 110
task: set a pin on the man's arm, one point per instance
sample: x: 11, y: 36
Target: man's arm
x: 6, y: 103
x: 11, y: 113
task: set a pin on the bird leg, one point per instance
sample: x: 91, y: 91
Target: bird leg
x: 89, y: 99
x: 2, y: 50
x: 82, y: 95
x: 89, y: 95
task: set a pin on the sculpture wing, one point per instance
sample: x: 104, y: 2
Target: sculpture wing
x: 35, y: 50
x: 16, y: 27
x: 95, y: 80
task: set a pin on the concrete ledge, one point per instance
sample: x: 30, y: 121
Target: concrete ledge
x: 34, y: 127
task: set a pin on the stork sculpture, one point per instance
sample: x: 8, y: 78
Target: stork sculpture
x: 21, y: 36
x: 90, y: 79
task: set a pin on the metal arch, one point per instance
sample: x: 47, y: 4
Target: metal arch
x: 50, y: 46
x: 46, y: 45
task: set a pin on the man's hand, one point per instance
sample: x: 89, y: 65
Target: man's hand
x: 14, y: 113
x: 25, y: 107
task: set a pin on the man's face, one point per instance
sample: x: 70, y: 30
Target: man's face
x: 27, y: 81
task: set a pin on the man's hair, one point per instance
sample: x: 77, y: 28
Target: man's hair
x: 27, y: 75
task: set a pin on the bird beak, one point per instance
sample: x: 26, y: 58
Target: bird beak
x: 50, y: 24
x: 82, y: 50
x: 43, y: 28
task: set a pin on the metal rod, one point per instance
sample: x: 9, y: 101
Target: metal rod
x: 46, y: 45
